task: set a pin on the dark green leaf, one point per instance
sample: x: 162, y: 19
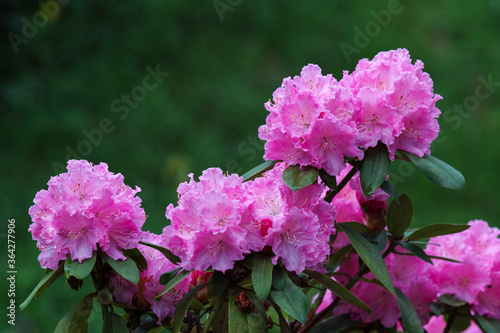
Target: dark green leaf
x: 44, y: 283
x: 77, y: 269
x: 126, y: 268
x: 278, y: 281
x: 389, y: 189
x: 451, y: 300
x: 338, y: 289
x: 183, y: 305
x: 291, y: 298
x: 409, y: 316
x: 258, y: 170
x: 212, y: 318
x: 220, y: 281
x: 328, y: 180
x: 167, y: 276
x: 296, y: 178
x: 237, y: 320
x: 147, y: 325
x: 104, y: 296
x: 338, y: 256
x: 262, y: 276
x: 113, y: 323
x: 360, y: 227
x: 335, y: 324
x: 370, y: 255
x: 173, y: 282
x: 375, y: 168
x: 284, y: 327
x: 246, y: 322
x: 438, y: 171
x: 487, y: 325
x: 166, y: 252
x: 76, y: 320
x: 436, y: 230
x: 137, y: 257
x: 399, y: 216
x: 415, y: 250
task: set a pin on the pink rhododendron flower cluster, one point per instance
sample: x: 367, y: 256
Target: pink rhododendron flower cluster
x: 297, y: 224
x: 476, y: 280
x: 205, y: 228
x: 220, y: 218
x: 316, y: 120
x: 142, y: 295
x: 84, y: 208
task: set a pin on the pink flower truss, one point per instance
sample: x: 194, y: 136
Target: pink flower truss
x: 296, y: 225
x: 205, y: 228
x: 142, y: 295
x: 394, y: 103
x: 476, y: 279
x: 310, y: 122
x: 86, y: 207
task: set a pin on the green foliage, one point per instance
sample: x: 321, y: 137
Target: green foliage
x: 434, y: 230
x: 77, y: 318
x: 296, y: 177
x: 77, y: 269
x: 166, y: 252
x: 410, y: 319
x: 126, y: 268
x: 370, y: 255
x: 375, y: 168
x: 290, y: 298
x: 399, y: 216
x: 262, y: 274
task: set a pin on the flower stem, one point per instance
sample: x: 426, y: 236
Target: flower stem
x: 332, y: 193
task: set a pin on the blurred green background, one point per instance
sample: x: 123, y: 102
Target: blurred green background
x: 64, y: 71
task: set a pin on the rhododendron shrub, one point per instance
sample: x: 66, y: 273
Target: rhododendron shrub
x: 315, y: 239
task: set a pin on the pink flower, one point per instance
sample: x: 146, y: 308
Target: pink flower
x: 473, y: 279
x: 437, y: 325
x: 206, y: 228
x: 86, y: 207
x: 394, y: 103
x: 142, y: 296
x: 296, y: 225
x: 310, y: 122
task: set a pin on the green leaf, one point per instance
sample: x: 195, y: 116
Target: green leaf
x: 147, y: 325
x: 415, y: 250
x: 284, y: 327
x: 370, y: 255
x: 166, y: 252
x: 113, y: 323
x: 438, y: 171
x: 375, y: 168
x: 296, y: 178
x: 258, y: 170
x: 409, y: 316
x: 183, y: 305
x: 220, y: 281
x: 174, y: 280
x: 338, y: 289
x: 44, y: 283
x: 237, y: 320
x: 167, y: 276
x: 451, y: 300
x: 76, y: 320
x: 253, y: 321
x: 262, y: 276
x: 328, y: 180
x: 389, y: 189
x: 126, y: 268
x: 399, y: 216
x: 291, y: 298
x: 77, y: 269
x: 335, y: 324
x: 436, y: 230
x: 360, y: 227
x: 137, y: 257
x: 487, y: 325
